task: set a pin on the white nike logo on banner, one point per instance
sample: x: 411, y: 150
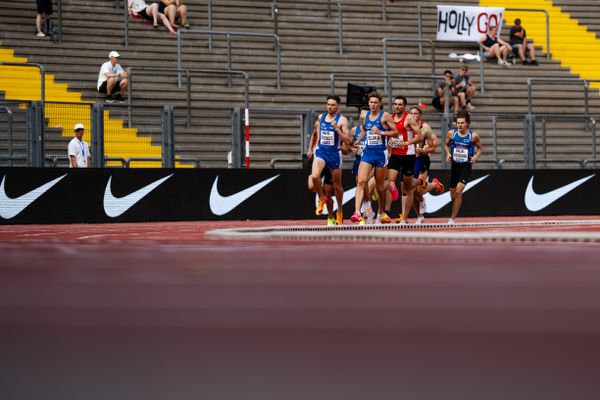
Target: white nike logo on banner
x: 221, y: 205
x: 115, y: 206
x: 435, y: 203
x: 536, y: 202
x: 348, y: 195
x: 10, y: 207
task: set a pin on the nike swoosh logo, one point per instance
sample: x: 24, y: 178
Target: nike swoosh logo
x: 435, y: 203
x: 10, y: 207
x: 115, y: 206
x: 536, y: 202
x: 348, y: 195
x: 221, y: 205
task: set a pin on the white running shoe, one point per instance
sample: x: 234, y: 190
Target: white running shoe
x: 370, y: 216
x: 40, y: 34
x: 423, y: 206
x: 419, y: 220
x: 450, y: 221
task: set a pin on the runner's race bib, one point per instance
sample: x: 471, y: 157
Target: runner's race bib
x: 396, y: 142
x: 327, y: 138
x: 461, y: 154
x: 373, y: 139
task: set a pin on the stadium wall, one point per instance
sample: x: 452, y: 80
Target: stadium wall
x: 57, y: 195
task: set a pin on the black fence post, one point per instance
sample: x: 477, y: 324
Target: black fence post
x: 98, y: 135
x: 236, y: 137
x: 446, y: 125
x: 35, y: 134
x: 529, y: 142
x: 167, y: 122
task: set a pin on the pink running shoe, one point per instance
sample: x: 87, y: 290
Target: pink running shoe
x: 394, y: 191
x: 356, y: 217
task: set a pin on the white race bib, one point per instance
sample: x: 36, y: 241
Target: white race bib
x: 373, y: 139
x: 396, y: 142
x: 461, y: 154
x: 327, y: 138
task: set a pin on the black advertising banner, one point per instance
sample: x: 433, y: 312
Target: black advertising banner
x: 46, y: 196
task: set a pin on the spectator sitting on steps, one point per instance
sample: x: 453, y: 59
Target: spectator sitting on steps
x: 518, y: 42
x: 465, y: 89
x: 176, y: 9
x: 493, y: 46
x: 112, y: 80
x: 439, y: 96
x: 149, y: 12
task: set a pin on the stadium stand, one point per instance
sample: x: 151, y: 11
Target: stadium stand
x: 310, y: 54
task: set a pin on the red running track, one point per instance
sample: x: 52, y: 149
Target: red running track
x: 156, y: 311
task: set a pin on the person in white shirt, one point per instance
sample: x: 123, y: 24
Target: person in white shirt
x: 112, y: 79
x: 79, y: 151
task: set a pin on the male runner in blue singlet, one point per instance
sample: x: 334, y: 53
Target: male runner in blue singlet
x: 377, y: 125
x: 332, y: 129
x: 460, y: 149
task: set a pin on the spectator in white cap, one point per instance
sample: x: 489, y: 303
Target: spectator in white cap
x: 79, y: 151
x: 112, y: 80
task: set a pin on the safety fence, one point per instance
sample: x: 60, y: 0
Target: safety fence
x: 36, y: 136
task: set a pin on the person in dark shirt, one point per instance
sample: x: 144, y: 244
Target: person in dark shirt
x: 439, y: 97
x: 519, y: 45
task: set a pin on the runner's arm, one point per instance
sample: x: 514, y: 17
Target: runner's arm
x: 447, y: 145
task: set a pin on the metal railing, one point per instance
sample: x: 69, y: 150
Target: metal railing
x: 548, y: 52
x: 585, y: 82
x: 60, y: 21
x: 562, y: 117
x: 307, y: 119
x: 228, y: 35
x: 387, y: 78
x: 42, y: 75
x: 385, y: 41
x: 188, y: 73
x: 9, y: 115
x: 275, y: 13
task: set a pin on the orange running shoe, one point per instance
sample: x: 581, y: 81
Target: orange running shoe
x: 321, y: 205
x: 385, y: 219
x: 339, y: 218
x: 439, y: 187
x: 400, y: 220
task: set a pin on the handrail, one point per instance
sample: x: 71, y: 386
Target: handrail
x: 42, y: 75
x: 10, y: 133
x: 584, y: 163
x: 59, y: 21
x: 126, y: 21
x: 585, y: 83
x: 188, y: 73
x: 122, y: 160
x: 278, y: 159
x: 129, y: 160
x: 386, y: 77
x: 275, y: 13
x: 228, y: 35
x: 307, y: 121
x: 548, y: 53
x: 385, y: 41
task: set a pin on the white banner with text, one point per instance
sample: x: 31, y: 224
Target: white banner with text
x: 465, y: 23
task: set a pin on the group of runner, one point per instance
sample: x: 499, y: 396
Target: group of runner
x: 386, y: 146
